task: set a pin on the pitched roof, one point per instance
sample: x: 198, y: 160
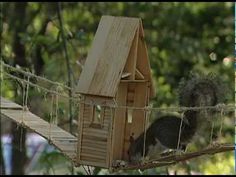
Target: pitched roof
x: 108, y: 56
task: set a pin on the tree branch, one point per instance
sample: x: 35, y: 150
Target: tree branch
x: 173, y: 159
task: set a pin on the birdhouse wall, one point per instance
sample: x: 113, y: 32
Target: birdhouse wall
x: 94, y: 139
x: 129, y: 122
x: 119, y: 123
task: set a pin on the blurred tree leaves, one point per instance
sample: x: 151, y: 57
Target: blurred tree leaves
x: 180, y: 36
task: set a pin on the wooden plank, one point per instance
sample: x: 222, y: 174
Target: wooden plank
x: 125, y: 75
x: 119, y: 123
x: 106, y: 59
x: 96, y: 131
x: 137, y: 126
x: 105, y: 125
x: 95, y: 135
x: 98, y: 100
x: 4, y: 103
x: 41, y: 127
x: 86, y: 161
x: 88, y: 125
x: 109, y: 138
x: 94, y: 143
x: 131, y: 61
x: 89, y: 155
x: 94, y: 148
x: 138, y: 74
x: 94, y: 152
x: 134, y: 81
x: 131, y: 88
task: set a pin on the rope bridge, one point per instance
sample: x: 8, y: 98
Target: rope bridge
x: 56, y: 136
x: 66, y: 142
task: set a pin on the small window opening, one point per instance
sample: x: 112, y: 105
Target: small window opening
x: 130, y: 115
x: 97, y: 119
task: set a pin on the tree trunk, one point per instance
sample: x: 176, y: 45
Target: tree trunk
x: 2, y: 164
x: 19, y: 133
x: 18, y: 150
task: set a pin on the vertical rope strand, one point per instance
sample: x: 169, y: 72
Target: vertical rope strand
x: 27, y: 92
x: 180, y: 130
x: 145, y: 132
x: 221, y: 123
x: 51, y: 117
x: 212, y: 130
x: 56, y: 111
x: 23, y: 102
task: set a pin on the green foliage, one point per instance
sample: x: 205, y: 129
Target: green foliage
x: 181, y: 37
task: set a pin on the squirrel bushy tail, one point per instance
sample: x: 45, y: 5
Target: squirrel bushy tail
x: 196, y: 90
x: 199, y: 90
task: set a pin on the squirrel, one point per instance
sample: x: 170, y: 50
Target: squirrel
x: 163, y: 133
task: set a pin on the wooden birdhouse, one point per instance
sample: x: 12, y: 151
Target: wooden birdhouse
x: 116, y: 75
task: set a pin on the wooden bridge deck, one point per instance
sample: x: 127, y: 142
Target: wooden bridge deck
x: 58, y: 137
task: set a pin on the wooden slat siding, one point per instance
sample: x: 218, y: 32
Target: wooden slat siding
x: 92, y: 134
x: 88, y: 112
x: 80, y: 129
x: 106, y: 60
x: 99, y: 100
x: 96, y: 152
x: 140, y: 98
x: 105, y: 122
x: 143, y: 64
x: 95, y: 164
x: 133, y: 81
x: 95, y: 131
x: 93, y: 160
x: 110, y: 134
x: 130, y: 102
x: 93, y: 156
x: 94, y: 138
x: 119, y: 123
x: 100, y: 148
x: 88, y: 125
x: 67, y: 143
x: 132, y: 57
x: 96, y: 146
x: 91, y: 141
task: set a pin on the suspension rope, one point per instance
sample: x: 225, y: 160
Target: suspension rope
x: 38, y: 86
x: 33, y: 75
x: 217, y: 107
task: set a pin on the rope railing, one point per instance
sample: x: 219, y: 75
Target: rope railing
x: 218, y: 107
x: 168, y: 160
x: 38, y: 86
x: 29, y: 74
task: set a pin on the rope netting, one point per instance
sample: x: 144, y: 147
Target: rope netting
x: 58, y: 90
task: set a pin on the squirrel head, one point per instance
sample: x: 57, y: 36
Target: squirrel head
x: 200, y: 89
